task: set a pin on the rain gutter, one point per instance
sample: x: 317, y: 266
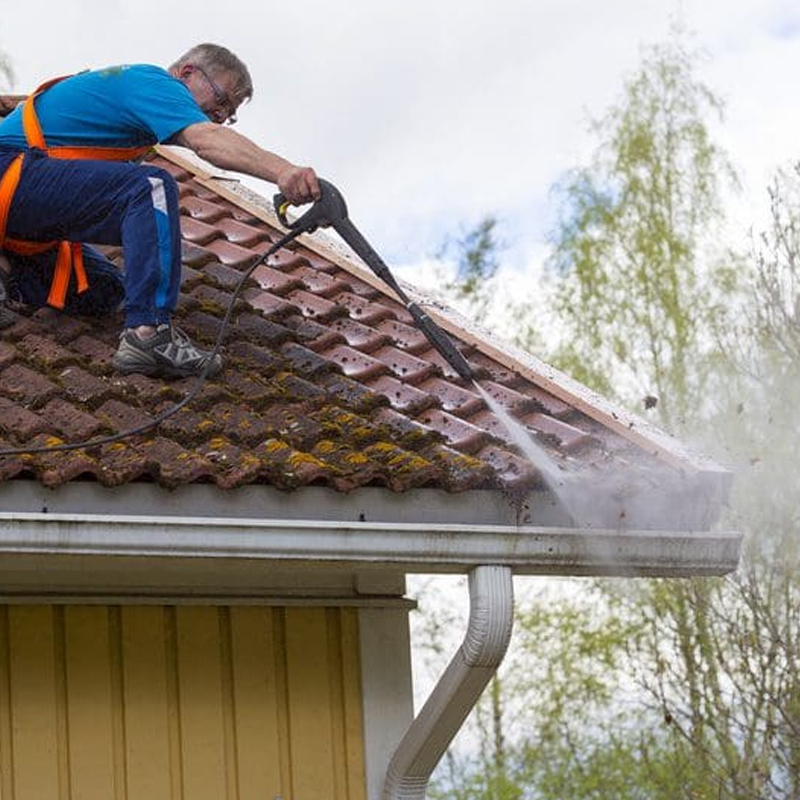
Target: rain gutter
x: 409, y: 547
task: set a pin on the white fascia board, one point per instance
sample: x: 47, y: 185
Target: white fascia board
x: 426, y: 548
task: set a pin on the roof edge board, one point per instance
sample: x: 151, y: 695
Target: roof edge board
x: 623, y: 422
x: 422, y: 548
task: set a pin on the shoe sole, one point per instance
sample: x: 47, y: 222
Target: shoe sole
x: 161, y: 371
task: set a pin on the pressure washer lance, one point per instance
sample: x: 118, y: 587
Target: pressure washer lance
x: 330, y: 211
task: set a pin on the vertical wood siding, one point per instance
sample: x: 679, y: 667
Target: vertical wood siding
x: 179, y: 703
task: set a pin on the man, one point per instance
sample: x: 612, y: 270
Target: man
x: 66, y: 177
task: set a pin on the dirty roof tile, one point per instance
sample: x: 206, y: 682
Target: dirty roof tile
x: 270, y: 304
x: 122, y: 416
x: 225, y: 277
x: 70, y: 422
x: 231, y: 255
x: 569, y: 437
x: 512, y: 470
x: 195, y: 256
x: 7, y: 353
x: 275, y: 281
x: 197, y: 232
x: 358, y: 335
x: 306, y: 362
x: 327, y: 381
x: 455, y: 399
x: 26, y: 385
x: 204, y: 210
x: 265, y: 361
x: 402, y: 396
x: 350, y: 393
x: 404, y: 365
x: 242, y: 233
x: 362, y: 309
x: 55, y: 327
x: 406, y: 337
x: 18, y: 420
x: 317, y: 308
x: 82, y: 386
x: 313, y: 334
x: 405, y: 430
x: 354, y: 363
x: 460, y: 435
x: 320, y: 283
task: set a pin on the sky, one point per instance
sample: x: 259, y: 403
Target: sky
x: 430, y: 114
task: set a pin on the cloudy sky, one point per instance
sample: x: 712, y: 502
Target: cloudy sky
x: 429, y: 114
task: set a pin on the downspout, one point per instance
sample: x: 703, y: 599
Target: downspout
x: 491, y: 596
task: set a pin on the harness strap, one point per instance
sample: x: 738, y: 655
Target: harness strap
x: 70, y: 254
x: 8, y: 185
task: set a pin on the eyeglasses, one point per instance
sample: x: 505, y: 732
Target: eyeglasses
x: 221, y: 98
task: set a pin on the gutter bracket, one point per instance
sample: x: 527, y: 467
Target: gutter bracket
x: 488, y: 633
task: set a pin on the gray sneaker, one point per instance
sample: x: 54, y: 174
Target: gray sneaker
x: 168, y: 354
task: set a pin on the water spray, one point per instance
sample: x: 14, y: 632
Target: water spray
x: 330, y: 211
x: 605, y: 500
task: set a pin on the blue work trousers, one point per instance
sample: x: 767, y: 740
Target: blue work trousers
x: 103, y: 202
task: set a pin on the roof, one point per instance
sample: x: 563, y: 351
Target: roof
x: 327, y: 383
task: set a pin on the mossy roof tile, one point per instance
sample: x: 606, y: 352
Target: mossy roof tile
x: 327, y: 381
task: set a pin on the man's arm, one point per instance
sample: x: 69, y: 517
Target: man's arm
x: 227, y: 149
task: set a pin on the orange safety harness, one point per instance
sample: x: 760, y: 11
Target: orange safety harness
x: 70, y: 254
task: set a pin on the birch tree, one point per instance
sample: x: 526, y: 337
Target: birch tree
x: 637, y: 284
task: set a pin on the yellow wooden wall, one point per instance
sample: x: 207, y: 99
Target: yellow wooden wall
x: 179, y: 703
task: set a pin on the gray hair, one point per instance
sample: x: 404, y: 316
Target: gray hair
x: 214, y: 59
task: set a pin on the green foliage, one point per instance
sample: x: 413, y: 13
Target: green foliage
x: 474, y: 285
x: 635, y: 289
x: 668, y: 690
x: 477, y: 255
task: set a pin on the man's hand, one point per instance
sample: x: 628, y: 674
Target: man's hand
x: 299, y: 184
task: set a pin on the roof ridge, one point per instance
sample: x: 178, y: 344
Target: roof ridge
x: 627, y: 424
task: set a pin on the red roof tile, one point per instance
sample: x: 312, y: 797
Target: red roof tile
x: 327, y: 381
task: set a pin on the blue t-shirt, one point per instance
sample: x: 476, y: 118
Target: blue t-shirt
x: 126, y: 106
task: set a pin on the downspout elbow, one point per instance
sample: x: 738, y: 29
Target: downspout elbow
x: 460, y: 687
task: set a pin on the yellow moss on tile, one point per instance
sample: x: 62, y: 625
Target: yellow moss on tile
x: 298, y: 459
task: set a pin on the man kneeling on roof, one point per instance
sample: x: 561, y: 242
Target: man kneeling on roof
x: 66, y: 177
